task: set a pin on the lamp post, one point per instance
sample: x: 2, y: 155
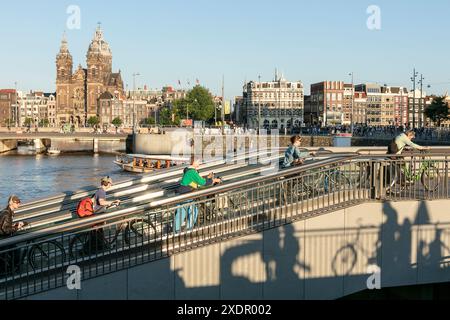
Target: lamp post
x: 134, y: 97
x: 353, y: 96
x: 420, y: 100
x: 259, y: 103
x: 413, y: 79
x: 16, y: 107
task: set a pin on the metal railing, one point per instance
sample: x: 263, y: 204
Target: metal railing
x: 38, y: 261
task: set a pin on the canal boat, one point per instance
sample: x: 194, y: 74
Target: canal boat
x: 140, y: 163
x: 53, y: 151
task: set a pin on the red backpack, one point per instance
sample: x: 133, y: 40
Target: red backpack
x: 85, y: 207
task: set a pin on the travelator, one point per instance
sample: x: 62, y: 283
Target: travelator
x: 37, y: 260
x: 61, y: 208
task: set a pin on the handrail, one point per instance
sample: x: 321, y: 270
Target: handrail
x: 251, y: 181
x: 84, y: 223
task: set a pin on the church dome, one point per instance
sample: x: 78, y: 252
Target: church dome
x: 99, y: 45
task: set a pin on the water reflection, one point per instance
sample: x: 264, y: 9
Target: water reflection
x: 32, y: 176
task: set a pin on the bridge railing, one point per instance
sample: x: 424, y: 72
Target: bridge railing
x: 38, y: 262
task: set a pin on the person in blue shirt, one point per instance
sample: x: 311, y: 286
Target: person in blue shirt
x: 293, y: 156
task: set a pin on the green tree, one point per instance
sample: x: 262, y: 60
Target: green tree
x: 28, y: 122
x: 117, y: 122
x: 44, y: 123
x: 198, y: 102
x: 438, y: 110
x: 149, y: 121
x: 93, y: 121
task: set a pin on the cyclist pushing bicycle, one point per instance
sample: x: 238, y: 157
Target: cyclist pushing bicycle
x: 401, y: 175
x: 399, y: 143
x: 293, y: 156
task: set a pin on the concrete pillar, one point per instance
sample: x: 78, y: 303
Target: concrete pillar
x: 38, y: 144
x: 95, y: 145
x: 7, y: 145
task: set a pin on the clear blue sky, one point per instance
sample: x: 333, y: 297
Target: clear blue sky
x: 188, y: 39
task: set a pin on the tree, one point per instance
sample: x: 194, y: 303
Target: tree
x: 117, y: 122
x: 44, y: 123
x: 93, y: 121
x: 198, y: 102
x: 438, y: 110
x: 28, y: 122
x: 149, y: 121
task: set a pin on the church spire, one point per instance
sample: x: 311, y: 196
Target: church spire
x: 98, y: 33
x: 64, y: 47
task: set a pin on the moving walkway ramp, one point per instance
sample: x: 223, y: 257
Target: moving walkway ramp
x: 144, y: 232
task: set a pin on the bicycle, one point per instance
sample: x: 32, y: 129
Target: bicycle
x: 37, y: 256
x: 93, y: 241
x: 403, y: 176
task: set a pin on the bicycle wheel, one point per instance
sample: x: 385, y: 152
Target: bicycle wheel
x: 139, y: 231
x: 78, y: 246
x: 430, y: 179
x: 46, y: 255
x: 344, y: 261
x: 393, y: 180
x: 337, y: 181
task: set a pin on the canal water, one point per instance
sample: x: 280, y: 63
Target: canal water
x: 31, y: 176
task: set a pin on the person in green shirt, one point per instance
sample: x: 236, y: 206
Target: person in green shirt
x: 191, y: 181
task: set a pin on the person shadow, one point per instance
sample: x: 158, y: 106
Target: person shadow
x: 393, y: 253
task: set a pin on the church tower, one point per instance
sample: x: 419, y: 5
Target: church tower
x: 99, y: 68
x: 64, y: 68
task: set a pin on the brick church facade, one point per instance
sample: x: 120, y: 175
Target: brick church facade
x: 78, y: 93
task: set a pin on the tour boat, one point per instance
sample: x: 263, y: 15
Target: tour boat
x: 140, y: 163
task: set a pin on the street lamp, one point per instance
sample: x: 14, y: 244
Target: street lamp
x: 413, y: 79
x: 259, y: 103
x: 133, y: 97
x: 16, y: 108
x: 353, y: 96
x: 420, y: 100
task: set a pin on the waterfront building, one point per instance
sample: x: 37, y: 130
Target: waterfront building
x: 276, y: 104
x: 8, y: 100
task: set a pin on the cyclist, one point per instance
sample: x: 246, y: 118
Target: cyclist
x: 7, y: 227
x: 399, y: 143
x: 293, y: 156
x: 100, y: 203
x: 191, y: 181
x: 396, y: 147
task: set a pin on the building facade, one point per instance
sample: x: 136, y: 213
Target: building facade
x: 8, y: 100
x: 276, y: 104
x: 373, y: 103
x: 327, y: 97
x: 78, y: 93
x: 416, y: 107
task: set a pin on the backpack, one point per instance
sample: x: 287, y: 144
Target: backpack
x: 85, y: 207
x: 392, y: 147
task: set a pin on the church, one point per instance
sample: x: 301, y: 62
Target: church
x: 78, y: 93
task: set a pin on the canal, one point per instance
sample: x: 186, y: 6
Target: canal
x: 32, y: 176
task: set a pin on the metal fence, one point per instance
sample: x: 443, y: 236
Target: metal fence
x: 32, y: 264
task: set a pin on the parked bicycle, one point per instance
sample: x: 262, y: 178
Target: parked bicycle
x: 38, y: 256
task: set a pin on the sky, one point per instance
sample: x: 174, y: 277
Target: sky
x: 167, y: 41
